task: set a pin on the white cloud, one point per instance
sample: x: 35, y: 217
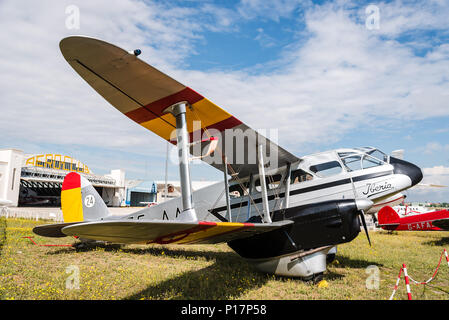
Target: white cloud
x: 398, y: 17
x: 437, y: 175
x: 432, y: 147
x: 264, y: 39
x: 436, y: 171
x: 344, y: 76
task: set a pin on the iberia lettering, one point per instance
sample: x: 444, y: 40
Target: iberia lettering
x: 377, y: 188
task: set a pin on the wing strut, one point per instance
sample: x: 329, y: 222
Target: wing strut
x: 178, y: 110
x: 228, y: 201
x: 263, y: 185
x: 287, y: 186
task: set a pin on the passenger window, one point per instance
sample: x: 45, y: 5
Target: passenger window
x: 369, y: 162
x: 326, y: 169
x: 236, y: 191
x: 272, y: 182
x: 353, y: 163
x: 299, y: 175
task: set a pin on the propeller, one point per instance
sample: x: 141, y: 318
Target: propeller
x: 362, y: 205
x: 362, y: 217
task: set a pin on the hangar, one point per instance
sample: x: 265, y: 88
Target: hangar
x: 36, y: 179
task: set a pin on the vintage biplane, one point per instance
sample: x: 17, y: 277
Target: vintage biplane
x: 437, y: 220
x: 282, y: 213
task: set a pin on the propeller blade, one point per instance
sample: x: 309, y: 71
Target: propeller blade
x: 362, y: 217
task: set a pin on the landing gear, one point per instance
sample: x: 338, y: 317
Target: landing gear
x: 331, y: 255
x: 315, y: 278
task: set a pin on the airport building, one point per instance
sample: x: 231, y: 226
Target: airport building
x: 36, y: 180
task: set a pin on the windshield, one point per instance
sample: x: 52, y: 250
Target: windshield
x: 354, y: 161
x: 378, y: 155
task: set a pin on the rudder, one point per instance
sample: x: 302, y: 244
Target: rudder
x: 387, y: 216
x: 80, y: 201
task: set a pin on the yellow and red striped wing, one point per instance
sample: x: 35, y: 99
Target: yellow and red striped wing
x: 167, y: 232
x: 142, y: 92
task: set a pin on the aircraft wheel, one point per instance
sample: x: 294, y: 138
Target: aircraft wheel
x: 330, y: 257
x: 315, y: 278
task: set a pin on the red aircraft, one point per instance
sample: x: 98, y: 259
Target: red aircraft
x: 389, y: 219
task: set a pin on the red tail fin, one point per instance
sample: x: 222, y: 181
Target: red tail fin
x: 387, y: 216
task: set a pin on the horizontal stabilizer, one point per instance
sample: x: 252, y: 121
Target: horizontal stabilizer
x: 52, y: 230
x: 441, y: 223
x: 165, y: 232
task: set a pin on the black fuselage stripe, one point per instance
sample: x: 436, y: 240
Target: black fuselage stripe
x: 372, y: 176
x: 309, y: 189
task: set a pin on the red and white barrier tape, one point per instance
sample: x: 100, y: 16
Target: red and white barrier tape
x: 407, y: 277
x: 396, y: 285
x: 48, y: 245
x: 436, y: 270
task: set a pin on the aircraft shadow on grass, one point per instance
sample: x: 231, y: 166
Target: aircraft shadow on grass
x: 228, y: 277
x: 442, y: 242
x: 344, y: 262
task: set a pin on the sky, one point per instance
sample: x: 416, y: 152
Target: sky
x: 325, y: 74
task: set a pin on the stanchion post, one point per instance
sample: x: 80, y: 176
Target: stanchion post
x: 407, y: 282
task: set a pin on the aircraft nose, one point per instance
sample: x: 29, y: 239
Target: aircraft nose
x: 407, y: 168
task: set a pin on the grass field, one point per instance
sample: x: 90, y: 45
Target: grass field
x: 201, y: 272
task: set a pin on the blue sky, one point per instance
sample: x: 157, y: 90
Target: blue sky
x: 312, y: 69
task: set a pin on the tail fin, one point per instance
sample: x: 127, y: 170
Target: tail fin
x: 80, y: 201
x: 388, y: 217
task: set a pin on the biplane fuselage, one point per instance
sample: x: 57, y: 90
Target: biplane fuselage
x: 323, y: 187
x: 378, y: 181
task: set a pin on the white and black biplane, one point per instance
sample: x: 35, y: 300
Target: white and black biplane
x: 282, y: 213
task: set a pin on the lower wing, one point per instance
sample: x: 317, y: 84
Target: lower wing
x: 164, y: 232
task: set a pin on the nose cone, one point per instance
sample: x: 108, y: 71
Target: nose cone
x: 363, y: 204
x: 407, y: 168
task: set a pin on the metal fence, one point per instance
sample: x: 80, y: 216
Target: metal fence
x: 49, y: 214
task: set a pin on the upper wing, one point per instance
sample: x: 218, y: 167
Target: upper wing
x: 164, y: 232
x: 441, y: 223
x: 142, y: 92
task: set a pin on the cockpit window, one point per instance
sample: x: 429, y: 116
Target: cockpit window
x: 371, y: 157
x: 326, y: 169
x: 379, y: 155
x: 370, y: 162
x: 353, y: 163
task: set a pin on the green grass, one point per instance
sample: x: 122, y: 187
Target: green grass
x: 209, y: 271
